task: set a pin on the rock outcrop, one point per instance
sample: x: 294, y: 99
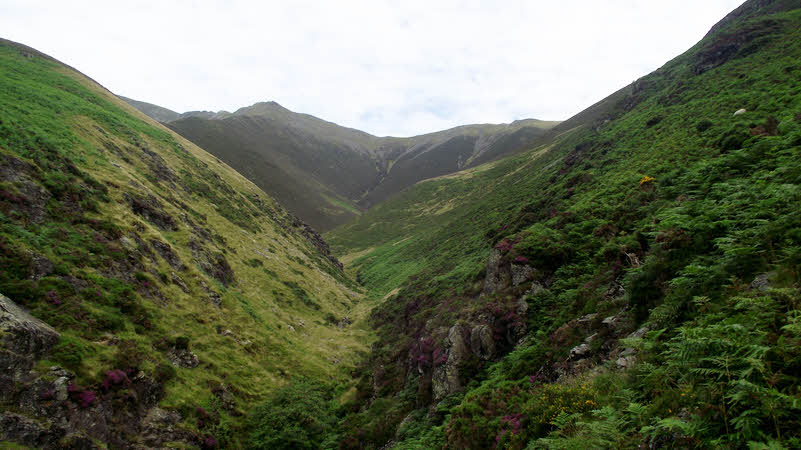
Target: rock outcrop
x: 49, y: 409
x: 445, y: 378
x: 24, y: 339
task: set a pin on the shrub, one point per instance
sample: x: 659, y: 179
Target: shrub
x: 297, y: 416
x: 164, y: 372
x: 703, y: 125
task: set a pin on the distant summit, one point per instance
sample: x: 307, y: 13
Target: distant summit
x: 300, y: 159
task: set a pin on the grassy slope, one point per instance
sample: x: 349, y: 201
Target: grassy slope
x: 721, y: 208
x: 70, y: 153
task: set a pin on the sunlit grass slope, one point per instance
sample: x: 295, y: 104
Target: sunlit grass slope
x: 132, y: 241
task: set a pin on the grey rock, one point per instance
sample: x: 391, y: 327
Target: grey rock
x: 166, y: 252
x: 521, y: 273
x: 41, y: 267
x: 616, y: 290
x: 29, y: 432
x: 160, y: 426
x: 496, y: 277
x: 482, y: 343
x: 182, y: 358
x: 60, y: 388
x: 24, y: 339
x: 625, y: 362
x: 762, y: 282
x: 586, y: 319
x: 214, y: 297
x: 522, y: 307
x: 445, y: 378
x: 580, y: 351
x: 536, y: 288
x: 639, y: 333
x: 178, y: 281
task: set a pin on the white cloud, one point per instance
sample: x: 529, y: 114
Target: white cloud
x: 386, y: 67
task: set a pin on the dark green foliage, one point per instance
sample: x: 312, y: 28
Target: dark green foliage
x: 255, y: 262
x: 300, y: 294
x: 703, y: 125
x: 669, y: 222
x: 164, y: 372
x: 297, y: 416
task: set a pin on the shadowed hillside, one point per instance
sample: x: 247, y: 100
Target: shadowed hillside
x: 328, y: 174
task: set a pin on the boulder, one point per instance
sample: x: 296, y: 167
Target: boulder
x: 482, y: 343
x: 521, y: 273
x: 24, y: 339
x: 762, y: 282
x: 182, y: 358
x: 492, y: 280
x: 580, y: 351
x: 445, y: 378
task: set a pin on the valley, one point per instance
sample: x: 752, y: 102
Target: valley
x: 626, y: 278
x: 300, y: 159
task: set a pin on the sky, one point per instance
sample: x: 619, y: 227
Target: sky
x: 397, y: 68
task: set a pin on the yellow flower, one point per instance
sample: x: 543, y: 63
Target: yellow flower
x: 646, y: 179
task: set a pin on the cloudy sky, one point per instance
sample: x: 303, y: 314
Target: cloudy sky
x: 387, y: 67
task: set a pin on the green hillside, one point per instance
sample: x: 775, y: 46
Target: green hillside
x: 631, y: 282
x: 182, y: 295
x: 328, y: 174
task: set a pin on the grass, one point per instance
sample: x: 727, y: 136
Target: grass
x: 662, y: 189
x: 83, y: 150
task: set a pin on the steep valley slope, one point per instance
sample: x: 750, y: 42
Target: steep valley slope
x: 328, y: 174
x: 628, y: 278
x: 630, y: 282
x: 149, y: 294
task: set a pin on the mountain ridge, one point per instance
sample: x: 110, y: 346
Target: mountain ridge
x: 299, y: 158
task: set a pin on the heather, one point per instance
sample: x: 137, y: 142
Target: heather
x: 659, y: 237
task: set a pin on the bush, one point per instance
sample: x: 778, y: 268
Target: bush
x: 297, y: 416
x: 703, y: 125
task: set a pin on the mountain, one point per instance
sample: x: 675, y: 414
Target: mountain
x: 300, y: 159
x: 632, y: 281
x: 155, y: 112
x: 150, y: 295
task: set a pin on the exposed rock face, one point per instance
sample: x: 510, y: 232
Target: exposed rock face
x: 727, y: 46
x: 24, y: 339
x: 482, y: 343
x: 213, y: 263
x: 150, y: 208
x: 316, y: 240
x: 48, y: 410
x: 496, y: 278
x: 521, y: 273
x: 30, y: 198
x: 501, y: 276
x: 165, y: 251
x: 445, y: 378
x: 161, y: 426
